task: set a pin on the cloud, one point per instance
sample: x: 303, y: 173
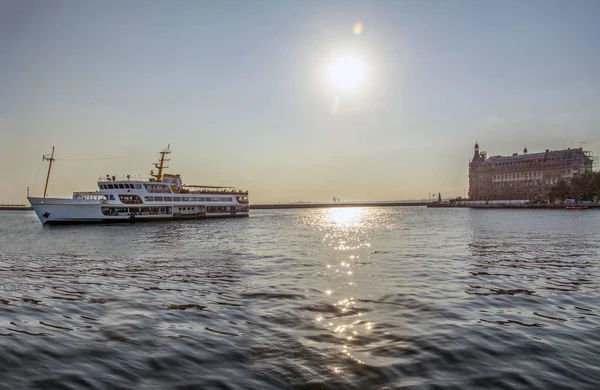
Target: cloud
x: 577, y: 144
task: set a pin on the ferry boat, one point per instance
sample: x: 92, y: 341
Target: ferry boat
x: 162, y: 197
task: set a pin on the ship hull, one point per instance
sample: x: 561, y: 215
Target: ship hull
x: 59, y: 211
x: 139, y: 220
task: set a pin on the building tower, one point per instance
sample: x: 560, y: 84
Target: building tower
x: 473, y: 177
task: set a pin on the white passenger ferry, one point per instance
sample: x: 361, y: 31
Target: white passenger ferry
x: 162, y: 197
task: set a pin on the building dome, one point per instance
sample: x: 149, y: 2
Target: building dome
x: 525, y: 150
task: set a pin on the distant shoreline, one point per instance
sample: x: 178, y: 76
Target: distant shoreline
x: 514, y: 206
x: 332, y: 205
x: 290, y: 206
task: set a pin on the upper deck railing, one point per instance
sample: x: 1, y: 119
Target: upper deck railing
x: 196, y: 189
x: 128, y: 178
x: 129, y: 182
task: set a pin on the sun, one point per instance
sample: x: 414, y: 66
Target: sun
x: 346, y: 72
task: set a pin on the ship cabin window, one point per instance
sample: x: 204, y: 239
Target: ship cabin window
x: 112, y: 197
x: 138, y: 186
x: 185, y: 199
x: 176, y: 199
x: 202, y: 199
x: 158, y: 198
x: 168, y: 199
x: 193, y: 199
x: 130, y: 199
x: 157, y: 188
x: 110, y: 186
x: 148, y: 198
x: 120, y: 185
x: 223, y: 199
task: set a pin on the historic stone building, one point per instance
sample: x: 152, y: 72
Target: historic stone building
x: 529, y: 176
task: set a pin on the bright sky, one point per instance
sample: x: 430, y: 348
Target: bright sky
x: 244, y: 92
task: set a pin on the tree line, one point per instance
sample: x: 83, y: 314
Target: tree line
x: 585, y: 187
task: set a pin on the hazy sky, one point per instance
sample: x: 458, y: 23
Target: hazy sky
x: 241, y: 90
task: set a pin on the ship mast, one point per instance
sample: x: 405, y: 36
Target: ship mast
x: 161, y: 165
x: 51, y: 159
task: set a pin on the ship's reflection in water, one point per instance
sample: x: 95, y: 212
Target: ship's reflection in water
x: 345, y: 297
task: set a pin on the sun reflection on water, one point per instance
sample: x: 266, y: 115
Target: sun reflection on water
x: 345, y: 234
x: 345, y: 217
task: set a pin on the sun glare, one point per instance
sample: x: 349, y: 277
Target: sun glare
x: 346, y: 72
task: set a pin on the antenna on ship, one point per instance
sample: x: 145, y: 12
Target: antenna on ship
x: 51, y: 159
x: 161, y: 164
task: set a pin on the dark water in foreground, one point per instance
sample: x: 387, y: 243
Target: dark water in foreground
x: 353, y: 298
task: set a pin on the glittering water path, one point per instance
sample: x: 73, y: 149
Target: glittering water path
x: 354, y: 298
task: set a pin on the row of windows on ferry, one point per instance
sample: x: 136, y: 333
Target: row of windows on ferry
x: 168, y: 210
x: 120, y: 185
x: 186, y: 199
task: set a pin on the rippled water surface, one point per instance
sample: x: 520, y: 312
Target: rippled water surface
x: 332, y: 298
